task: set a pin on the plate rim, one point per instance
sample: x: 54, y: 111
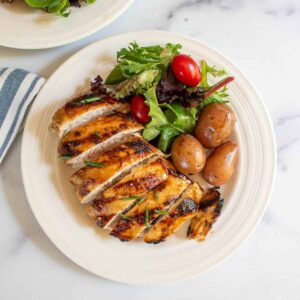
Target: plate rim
x: 233, y: 248
x: 73, y: 38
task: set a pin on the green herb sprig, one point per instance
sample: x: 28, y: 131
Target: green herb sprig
x: 97, y: 133
x: 90, y: 100
x: 125, y: 217
x: 130, y: 198
x: 161, y: 212
x: 94, y: 164
x: 65, y: 157
x: 147, y: 218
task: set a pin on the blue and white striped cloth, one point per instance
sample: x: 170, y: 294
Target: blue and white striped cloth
x: 17, y: 89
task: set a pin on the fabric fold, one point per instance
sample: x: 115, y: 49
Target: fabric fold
x: 18, y: 88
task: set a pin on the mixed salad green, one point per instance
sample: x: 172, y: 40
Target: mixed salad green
x: 166, y: 89
x: 59, y: 7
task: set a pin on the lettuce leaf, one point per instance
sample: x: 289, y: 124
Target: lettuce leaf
x: 167, y: 135
x: 137, y: 84
x: 60, y: 7
x: 170, y: 89
x: 207, y: 69
x: 181, y: 117
x: 167, y: 120
x: 136, y: 59
x: 158, y: 118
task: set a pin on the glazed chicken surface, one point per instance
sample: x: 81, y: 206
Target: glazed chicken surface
x: 127, y: 184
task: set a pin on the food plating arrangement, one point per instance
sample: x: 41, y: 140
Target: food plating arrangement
x: 138, y: 138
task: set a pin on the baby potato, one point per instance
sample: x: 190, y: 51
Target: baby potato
x: 214, y: 125
x: 221, y: 163
x: 188, y: 155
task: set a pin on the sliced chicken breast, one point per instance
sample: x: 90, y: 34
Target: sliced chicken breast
x: 97, y: 136
x: 83, y: 109
x: 184, y: 209
x: 110, y: 166
x: 209, y: 210
x: 118, y: 198
x: 155, y: 204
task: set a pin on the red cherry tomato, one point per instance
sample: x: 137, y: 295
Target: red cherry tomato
x: 139, y: 109
x: 186, y: 70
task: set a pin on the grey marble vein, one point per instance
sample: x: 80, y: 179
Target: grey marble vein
x: 17, y: 243
x: 287, y: 130
x: 281, y: 225
x: 273, y: 8
x: 282, y: 120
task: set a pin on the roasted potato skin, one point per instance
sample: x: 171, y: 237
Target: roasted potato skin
x: 214, y: 125
x: 188, y: 155
x: 221, y: 163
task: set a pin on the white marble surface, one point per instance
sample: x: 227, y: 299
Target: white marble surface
x: 263, y: 38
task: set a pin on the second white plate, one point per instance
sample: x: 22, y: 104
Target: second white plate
x: 63, y: 219
x: 27, y: 28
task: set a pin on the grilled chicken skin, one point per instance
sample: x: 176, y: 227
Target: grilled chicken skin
x: 96, y: 136
x: 209, y: 210
x: 183, y: 210
x: 106, y: 207
x: 110, y: 166
x: 155, y: 204
x: 83, y: 109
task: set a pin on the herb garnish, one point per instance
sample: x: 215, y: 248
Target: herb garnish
x: 161, y: 212
x: 130, y: 198
x: 141, y: 200
x: 97, y: 133
x: 156, y: 195
x: 147, y: 218
x: 94, y: 164
x: 90, y: 100
x: 65, y: 157
x: 125, y: 217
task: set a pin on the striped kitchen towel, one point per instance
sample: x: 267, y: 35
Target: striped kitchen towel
x: 17, y: 89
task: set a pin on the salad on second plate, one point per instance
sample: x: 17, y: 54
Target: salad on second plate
x: 58, y: 7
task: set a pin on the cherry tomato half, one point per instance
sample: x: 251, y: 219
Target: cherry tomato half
x: 186, y: 70
x: 139, y: 109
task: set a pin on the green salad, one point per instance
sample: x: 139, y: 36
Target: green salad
x: 58, y: 7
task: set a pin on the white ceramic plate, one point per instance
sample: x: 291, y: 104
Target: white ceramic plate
x: 28, y: 28
x: 54, y: 204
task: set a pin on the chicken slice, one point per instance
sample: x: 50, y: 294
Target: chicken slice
x: 97, y: 136
x: 83, y: 109
x: 110, y: 166
x: 118, y: 198
x: 210, y: 208
x: 155, y: 204
x: 183, y: 210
